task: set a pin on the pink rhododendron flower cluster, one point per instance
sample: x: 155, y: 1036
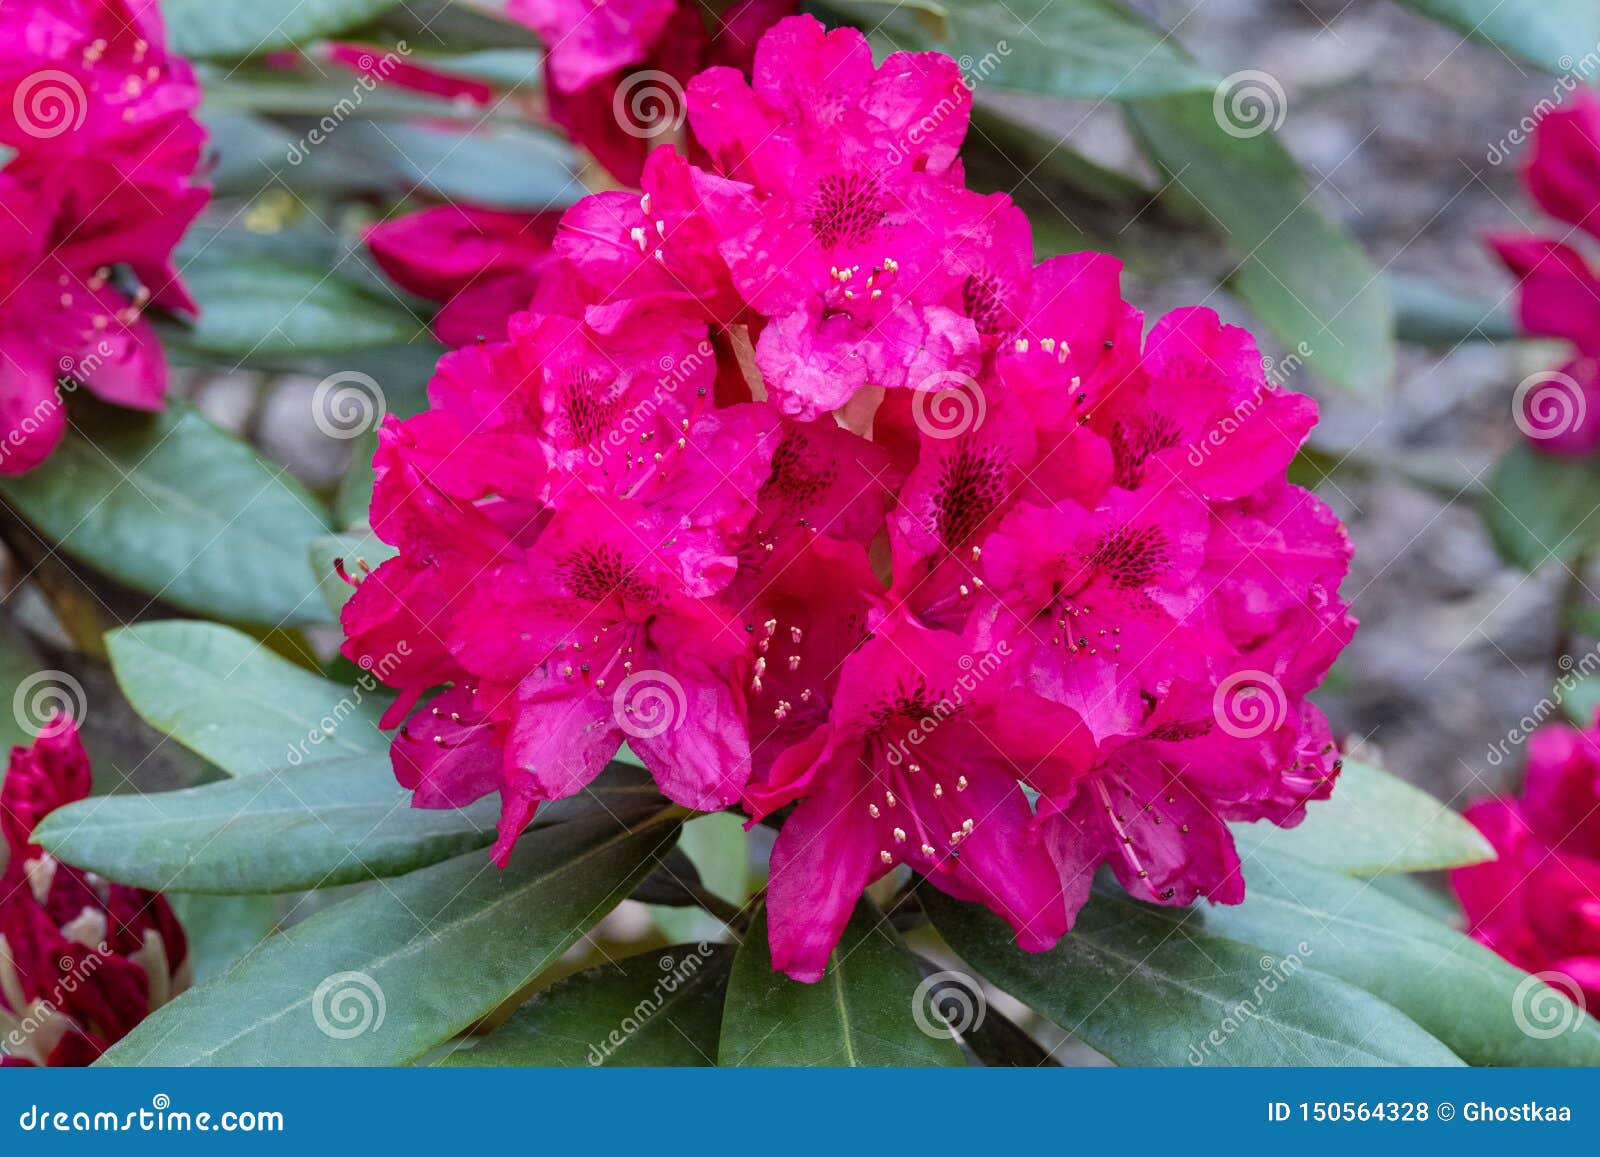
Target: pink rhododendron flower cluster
x: 1558, y: 290
x: 1535, y: 905
x: 82, y: 960
x: 99, y: 191
x: 803, y: 479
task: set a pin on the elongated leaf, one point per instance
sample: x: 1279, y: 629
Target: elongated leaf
x: 1302, y: 275
x: 1374, y: 823
x: 1088, y: 49
x: 232, y: 28
x: 1545, y: 33
x: 510, y: 167
x: 1453, y: 987
x: 291, y: 829
x: 1539, y: 507
x: 859, y: 1013
x: 663, y: 1008
x: 383, y: 978
x: 174, y: 507
x: 253, y: 306
x: 225, y: 696
x: 1146, y: 991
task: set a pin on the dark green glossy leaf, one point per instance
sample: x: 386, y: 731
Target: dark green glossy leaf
x: 1456, y: 989
x: 1374, y: 823
x: 292, y: 829
x: 859, y: 1014
x: 1087, y: 49
x: 180, y: 510
x: 662, y: 1009
x: 232, y: 28
x: 1301, y: 274
x: 227, y: 697
x: 1146, y: 990
x: 385, y: 977
x: 1539, y: 507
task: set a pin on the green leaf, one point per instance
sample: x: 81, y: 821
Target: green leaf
x: 1545, y: 33
x: 1538, y: 507
x: 235, y: 28
x: 1085, y: 49
x: 223, y: 930
x: 1146, y: 990
x: 1302, y: 275
x: 661, y: 1009
x: 506, y: 166
x: 261, y: 307
x: 385, y: 977
x: 1434, y: 903
x: 858, y: 1014
x: 174, y: 507
x: 227, y: 697
x: 1374, y: 823
x: 293, y: 829
x: 1456, y: 989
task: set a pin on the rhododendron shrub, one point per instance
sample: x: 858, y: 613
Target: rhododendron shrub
x: 98, y: 190
x: 82, y: 960
x: 798, y: 475
x: 1535, y: 905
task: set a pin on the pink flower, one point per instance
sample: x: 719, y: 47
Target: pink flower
x: 1563, y: 168
x: 481, y: 265
x: 81, y: 961
x: 100, y: 118
x: 1535, y: 905
x: 908, y: 770
x: 799, y: 476
x: 1557, y: 288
